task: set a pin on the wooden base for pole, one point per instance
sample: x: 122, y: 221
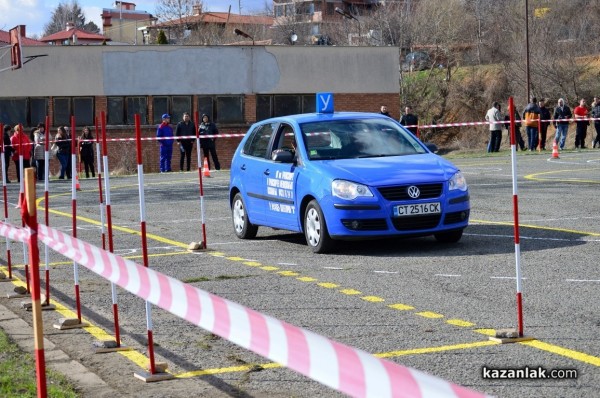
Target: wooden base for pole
x: 196, y: 247
x: 160, y: 375
x: 4, y: 278
x: 28, y: 305
x: 505, y: 336
x: 69, y: 323
x: 104, y: 346
x: 19, y: 292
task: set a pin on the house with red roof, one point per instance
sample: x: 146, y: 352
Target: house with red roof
x: 25, y: 41
x: 74, y: 36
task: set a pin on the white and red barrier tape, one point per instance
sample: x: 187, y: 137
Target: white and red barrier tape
x: 343, y: 368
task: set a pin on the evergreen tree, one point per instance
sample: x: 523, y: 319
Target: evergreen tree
x: 162, y: 38
x: 68, y: 12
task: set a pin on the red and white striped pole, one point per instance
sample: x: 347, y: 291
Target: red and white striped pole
x: 513, y: 149
x: 199, y: 149
x: 5, y: 197
x: 140, y: 171
x: 21, y: 199
x: 36, y: 305
x: 101, y: 196
x: 46, y: 204
x: 74, y: 212
x: 113, y: 287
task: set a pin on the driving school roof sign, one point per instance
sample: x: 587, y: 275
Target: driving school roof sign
x: 324, y: 102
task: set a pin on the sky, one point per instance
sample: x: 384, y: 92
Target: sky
x: 35, y: 14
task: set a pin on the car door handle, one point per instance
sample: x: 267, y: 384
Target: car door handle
x: 243, y: 167
x: 267, y: 172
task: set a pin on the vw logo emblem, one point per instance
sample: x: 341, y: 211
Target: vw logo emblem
x: 413, y: 192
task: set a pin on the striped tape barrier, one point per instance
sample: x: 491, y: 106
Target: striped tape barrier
x: 343, y: 368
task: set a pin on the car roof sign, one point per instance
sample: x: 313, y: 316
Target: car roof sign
x: 325, y: 103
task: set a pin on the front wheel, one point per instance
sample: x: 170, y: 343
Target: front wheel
x: 315, y: 229
x: 449, y: 237
x: 242, y: 226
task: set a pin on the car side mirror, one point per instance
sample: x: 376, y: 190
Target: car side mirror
x: 283, y: 156
x: 432, y: 147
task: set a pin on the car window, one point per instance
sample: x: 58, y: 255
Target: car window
x: 259, y: 139
x: 346, y: 139
x: 286, y: 138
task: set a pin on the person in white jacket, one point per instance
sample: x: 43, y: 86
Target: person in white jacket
x: 494, y: 117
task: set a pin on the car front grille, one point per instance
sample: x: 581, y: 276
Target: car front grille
x: 416, y: 223
x: 371, y: 224
x: 401, y: 192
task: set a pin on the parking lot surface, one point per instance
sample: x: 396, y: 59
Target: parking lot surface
x: 416, y: 302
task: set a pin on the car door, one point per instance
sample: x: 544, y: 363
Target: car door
x: 251, y: 168
x: 280, y: 183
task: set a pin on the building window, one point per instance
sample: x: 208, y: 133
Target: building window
x: 282, y: 105
x: 115, y: 111
x: 62, y: 111
x: 205, y: 106
x: 230, y: 110
x: 13, y: 111
x: 160, y: 106
x: 38, y: 109
x: 83, y: 110
x: 136, y: 105
x: 179, y: 105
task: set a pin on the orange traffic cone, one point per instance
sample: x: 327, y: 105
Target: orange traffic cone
x: 555, y: 150
x: 77, y: 187
x: 206, y: 171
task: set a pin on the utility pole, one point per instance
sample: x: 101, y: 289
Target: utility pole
x: 527, y: 49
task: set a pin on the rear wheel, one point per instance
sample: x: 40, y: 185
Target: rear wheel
x: 315, y: 229
x: 242, y: 226
x: 449, y: 237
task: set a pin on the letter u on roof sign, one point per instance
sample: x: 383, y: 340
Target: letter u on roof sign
x: 324, y: 102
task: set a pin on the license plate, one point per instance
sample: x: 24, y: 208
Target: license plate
x: 417, y: 209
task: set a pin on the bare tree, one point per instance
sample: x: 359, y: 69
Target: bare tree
x: 178, y: 14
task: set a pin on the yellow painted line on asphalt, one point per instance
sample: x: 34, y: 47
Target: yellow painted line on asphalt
x: 534, y: 176
x: 133, y: 257
x: 390, y: 354
x: 429, y: 350
x: 486, y: 332
x: 252, y: 263
x: 306, y: 279
x: 269, y: 268
x: 328, y: 285
x: 372, y: 299
x: 401, y: 307
x: 460, y: 322
x: 288, y: 273
x: 429, y: 314
x: 217, y: 254
x: 235, y: 258
x: 350, y: 292
x: 508, y: 223
x: 565, y: 352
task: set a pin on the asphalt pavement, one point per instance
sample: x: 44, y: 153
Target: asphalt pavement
x: 416, y: 302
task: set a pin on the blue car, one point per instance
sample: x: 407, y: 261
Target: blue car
x: 344, y: 176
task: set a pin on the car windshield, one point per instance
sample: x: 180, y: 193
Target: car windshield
x: 358, y: 138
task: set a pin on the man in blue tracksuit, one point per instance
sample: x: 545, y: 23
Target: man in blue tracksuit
x: 164, y: 130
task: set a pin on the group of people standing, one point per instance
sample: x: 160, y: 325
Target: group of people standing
x: 407, y: 119
x: 536, y: 116
x: 186, y: 130
x: 32, y: 148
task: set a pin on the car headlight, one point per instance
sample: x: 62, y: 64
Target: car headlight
x: 349, y: 190
x: 458, y: 182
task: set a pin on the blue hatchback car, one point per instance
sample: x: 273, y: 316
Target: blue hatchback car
x: 344, y: 176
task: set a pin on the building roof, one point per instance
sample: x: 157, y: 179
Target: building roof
x: 79, y: 34
x: 25, y: 41
x: 219, y: 18
x: 126, y: 14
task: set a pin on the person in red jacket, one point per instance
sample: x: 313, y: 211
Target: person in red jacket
x: 21, y: 147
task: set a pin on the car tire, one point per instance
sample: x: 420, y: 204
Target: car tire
x: 449, y: 237
x: 242, y: 226
x: 315, y: 229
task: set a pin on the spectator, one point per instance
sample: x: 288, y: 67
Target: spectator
x: 494, y: 117
x: 21, y: 145
x: 7, y: 149
x: 185, y: 128
x: 208, y: 144
x: 63, y: 141
x: 86, y: 151
x: 531, y: 115
x: 384, y: 110
x: 164, y: 130
x: 518, y: 138
x: 409, y: 119
x: 545, y: 116
x: 581, y: 112
x: 562, y: 111
x: 39, y: 160
x: 596, y: 114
